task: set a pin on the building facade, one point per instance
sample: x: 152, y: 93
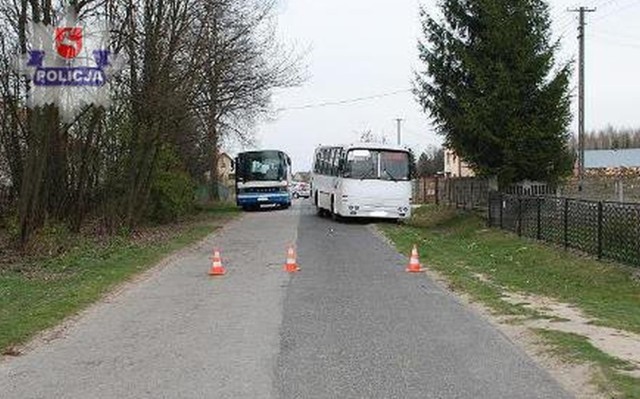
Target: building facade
x: 454, y: 166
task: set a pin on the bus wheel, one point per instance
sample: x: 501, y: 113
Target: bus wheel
x: 319, y: 210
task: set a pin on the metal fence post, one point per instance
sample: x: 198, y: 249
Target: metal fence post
x: 519, y: 216
x: 473, y: 200
x: 600, y: 212
x: 539, y: 219
x: 437, y: 190
x: 489, y: 211
x: 566, y: 223
x: 501, y: 211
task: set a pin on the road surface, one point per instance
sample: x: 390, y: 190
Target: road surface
x: 351, y: 324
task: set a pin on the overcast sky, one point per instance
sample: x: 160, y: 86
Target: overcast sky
x: 367, y: 48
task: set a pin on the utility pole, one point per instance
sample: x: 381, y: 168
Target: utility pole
x: 399, y: 121
x: 581, y: 62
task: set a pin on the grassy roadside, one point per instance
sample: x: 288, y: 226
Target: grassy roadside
x: 484, y: 263
x: 576, y: 348
x: 38, y: 293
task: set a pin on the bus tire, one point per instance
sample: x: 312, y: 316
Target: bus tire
x: 319, y: 210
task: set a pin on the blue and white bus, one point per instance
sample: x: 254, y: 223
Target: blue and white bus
x: 263, y: 179
x: 362, y: 180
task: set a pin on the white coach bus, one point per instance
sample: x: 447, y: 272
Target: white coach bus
x: 362, y: 180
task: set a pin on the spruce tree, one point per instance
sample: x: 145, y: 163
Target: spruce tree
x: 493, y: 89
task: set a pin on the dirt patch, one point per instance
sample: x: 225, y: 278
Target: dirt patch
x: 575, y: 378
x: 621, y: 344
x: 482, y: 277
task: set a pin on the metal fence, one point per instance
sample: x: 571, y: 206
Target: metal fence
x: 610, y: 230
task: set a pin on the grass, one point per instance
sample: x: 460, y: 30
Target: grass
x: 576, y: 348
x: 461, y: 247
x: 39, y: 293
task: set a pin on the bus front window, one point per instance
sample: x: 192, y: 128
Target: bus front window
x: 377, y: 164
x: 396, y: 165
x: 262, y: 166
x: 361, y: 164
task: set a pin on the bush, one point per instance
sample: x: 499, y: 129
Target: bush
x: 172, y: 190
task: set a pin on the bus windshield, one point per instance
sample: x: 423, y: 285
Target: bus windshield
x: 377, y: 164
x: 262, y: 166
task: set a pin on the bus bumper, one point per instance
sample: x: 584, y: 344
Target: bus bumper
x: 252, y: 200
x: 382, y: 212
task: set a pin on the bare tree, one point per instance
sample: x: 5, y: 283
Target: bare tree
x: 242, y: 65
x: 197, y: 71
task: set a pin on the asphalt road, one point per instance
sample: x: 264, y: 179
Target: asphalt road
x: 351, y: 324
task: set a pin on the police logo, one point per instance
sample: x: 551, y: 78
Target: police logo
x: 68, y: 41
x: 69, y: 65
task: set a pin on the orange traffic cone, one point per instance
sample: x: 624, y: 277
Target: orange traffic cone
x: 216, y: 268
x: 291, y: 266
x: 414, y: 263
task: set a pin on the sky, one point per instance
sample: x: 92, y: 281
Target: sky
x: 367, y: 49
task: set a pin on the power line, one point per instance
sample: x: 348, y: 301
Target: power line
x: 617, y: 10
x: 606, y: 3
x: 564, y: 28
x: 615, y: 42
x: 616, y: 35
x: 343, y: 102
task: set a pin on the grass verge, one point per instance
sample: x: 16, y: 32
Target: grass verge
x: 576, y: 348
x: 36, y: 294
x: 484, y: 263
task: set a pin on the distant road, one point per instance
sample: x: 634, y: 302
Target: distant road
x: 351, y: 324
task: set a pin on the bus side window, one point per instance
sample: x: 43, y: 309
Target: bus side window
x: 327, y: 162
x: 341, y: 162
x: 323, y: 161
x: 333, y: 161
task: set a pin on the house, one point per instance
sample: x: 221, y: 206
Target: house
x: 226, y: 169
x: 454, y: 166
